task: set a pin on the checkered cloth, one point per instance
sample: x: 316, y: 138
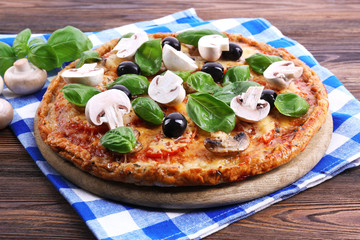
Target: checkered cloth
x: 112, y: 220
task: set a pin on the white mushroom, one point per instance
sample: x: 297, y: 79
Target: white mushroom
x: 1, y: 84
x: 24, y: 78
x: 211, y: 46
x: 167, y: 89
x: 108, y: 107
x: 127, y: 47
x: 88, y: 74
x: 176, y: 60
x: 6, y: 113
x: 221, y: 143
x: 279, y: 74
x: 249, y: 107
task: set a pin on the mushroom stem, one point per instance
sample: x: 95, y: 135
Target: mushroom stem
x: 22, y: 65
x: 252, y: 97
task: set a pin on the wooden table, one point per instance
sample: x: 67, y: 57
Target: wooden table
x: 31, y: 208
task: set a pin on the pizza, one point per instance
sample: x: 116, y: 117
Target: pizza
x: 182, y: 109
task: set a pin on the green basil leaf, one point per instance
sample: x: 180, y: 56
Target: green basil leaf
x: 149, y: 57
x: 209, y: 113
x: 192, y: 36
x: 35, y: 41
x: 69, y: 43
x: 121, y: 140
x: 137, y: 84
x: 128, y: 35
x: 7, y: 57
x: 291, y: 104
x: 237, y: 74
x: 20, y: 46
x: 43, y: 56
x: 202, y: 82
x: 260, y: 62
x: 227, y: 93
x: 148, y: 110
x: 79, y: 94
x: 88, y: 57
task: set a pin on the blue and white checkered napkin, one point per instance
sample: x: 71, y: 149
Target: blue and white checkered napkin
x: 111, y: 220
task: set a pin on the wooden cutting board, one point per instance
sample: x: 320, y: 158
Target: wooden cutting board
x: 195, y: 197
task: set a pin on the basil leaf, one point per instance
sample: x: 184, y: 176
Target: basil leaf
x: 137, y: 84
x: 88, y: 57
x: 69, y: 43
x: 20, y: 46
x: 35, y: 41
x: 79, y: 94
x: 192, y: 36
x: 148, y: 110
x: 7, y: 57
x: 128, y: 35
x: 149, y: 57
x: 43, y: 56
x: 260, y: 62
x: 227, y: 93
x: 209, y: 113
x: 291, y: 104
x: 121, y: 140
x: 202, y: 82
x: 237, y: 74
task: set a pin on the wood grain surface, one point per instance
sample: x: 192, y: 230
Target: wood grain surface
x: 31, y: 208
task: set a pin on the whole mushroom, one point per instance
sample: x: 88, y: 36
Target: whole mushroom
x: 24, y: 78
x: 249, y: 107
x: 6, y: 113
x: 1, y: 84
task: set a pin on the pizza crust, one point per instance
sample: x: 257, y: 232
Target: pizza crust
x: 195, y: 196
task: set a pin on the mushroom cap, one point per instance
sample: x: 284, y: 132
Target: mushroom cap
x: 88, y: 74
x: 6, y: 113
x: 249, y: 107
x: 127, y: 47
x: 280, y: 74
x: 167, y: 89
x: 211, y: 46
x: 176, y: 60
x: 24, y: 78
x: 221, y: 143
x: 108, y: 107
x: 1, y: 84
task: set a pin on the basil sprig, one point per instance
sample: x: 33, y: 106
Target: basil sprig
x: 260, y: 62
x: 136, y: 84
x: 202, y: 82
x: 237, y: 74
x: 291, y: 104
x: 121, y: 140
x: 89, y: 56
x: 227, y: 93
x: 7, y: 57
x: 192, y: 36
x: 68, y: 43
x: 209, y: 113
x: 79, y: 94
x: 148, y: 110
x: 149, y: 57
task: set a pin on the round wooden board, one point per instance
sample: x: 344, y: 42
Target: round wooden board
x: 195, y: 197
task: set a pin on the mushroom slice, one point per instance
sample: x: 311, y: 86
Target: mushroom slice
x: 249, y: 107
x: 127, y: 47
x: 176, y: 60
x: 108, y: 107
x: 280, y: 74
x: 211, y: 47
x: 24, y: 77
x: 139, y: 145
x: 167, y: 89
x: 88, y: 74
x: 221, y: 143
